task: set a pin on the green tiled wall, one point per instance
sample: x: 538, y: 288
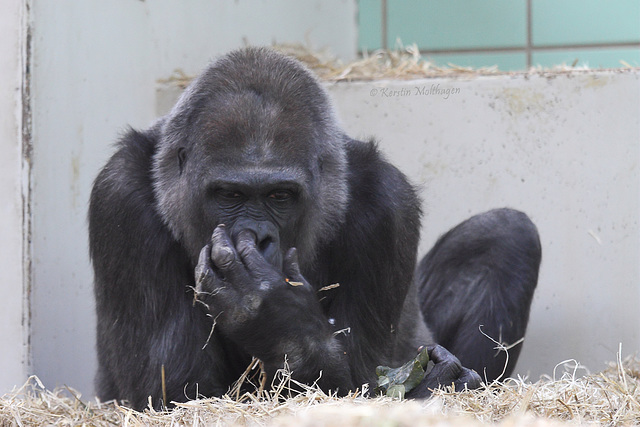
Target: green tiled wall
x: 562, y: 22
x: 438, y: 24
x: 513, y: 34
x: 370, y: 24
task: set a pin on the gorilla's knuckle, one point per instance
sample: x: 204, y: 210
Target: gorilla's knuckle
x: 223, y: 256
x: 251, y: 304
x: 265, y: 286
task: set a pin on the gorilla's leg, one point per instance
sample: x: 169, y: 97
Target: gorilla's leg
x: 481, y: 276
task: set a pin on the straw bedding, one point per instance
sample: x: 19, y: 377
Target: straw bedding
x: 610, y: 397
x: 401, y: 63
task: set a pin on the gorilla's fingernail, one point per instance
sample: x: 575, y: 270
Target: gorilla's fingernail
x: 248, y: 235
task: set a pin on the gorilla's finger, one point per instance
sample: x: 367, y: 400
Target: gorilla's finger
x: 291, y: 265
x: 203, y: 268
x: 246, y: 238
x: 246, y: 243
x: 468, y: 379
x: 438, y: 354
x: 223, y: 254
x: 447, y: 368
x: 292, y: 272
x: 208, y: 283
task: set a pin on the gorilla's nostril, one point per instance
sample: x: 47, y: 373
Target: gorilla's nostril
x: 265, y: 244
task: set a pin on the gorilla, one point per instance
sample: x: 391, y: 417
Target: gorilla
x: 215, y: 233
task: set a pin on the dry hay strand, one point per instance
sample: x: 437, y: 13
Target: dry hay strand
x: 403, y: 62
x: 608, y: 398
x: 400, y: 63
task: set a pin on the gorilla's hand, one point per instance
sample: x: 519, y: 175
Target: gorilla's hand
x: 266, y: 311
x: 447, y: 371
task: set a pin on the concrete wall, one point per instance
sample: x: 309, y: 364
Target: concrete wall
x: 95, y: 70
x: 13, y: 308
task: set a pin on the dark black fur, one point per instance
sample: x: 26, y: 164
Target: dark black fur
x: 253, y: 144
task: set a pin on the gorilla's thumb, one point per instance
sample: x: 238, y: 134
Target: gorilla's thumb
x: 291, y: 266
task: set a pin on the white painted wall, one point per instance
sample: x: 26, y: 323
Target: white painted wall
x: 565, y: 148
x: 95, y: 68
x: 13, y: 308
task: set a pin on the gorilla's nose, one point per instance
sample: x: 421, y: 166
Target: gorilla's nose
x: 265, y: 236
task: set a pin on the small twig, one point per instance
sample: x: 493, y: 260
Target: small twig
x: 501, y: 347
x: 213, y: 326
x: 345, y: 331
x: 329, y: 287
x: 164, y: 387
x: 566, y: 406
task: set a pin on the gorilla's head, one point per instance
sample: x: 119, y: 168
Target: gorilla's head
x: 252, y: 144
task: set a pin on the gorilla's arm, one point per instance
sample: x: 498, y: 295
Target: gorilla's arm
x: 141, y: 277
x: 373, y: 259
x: 376, y: 299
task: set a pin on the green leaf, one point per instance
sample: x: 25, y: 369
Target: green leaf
x: 382, y: 370
x: 396, y: 391
x: 396, y: 382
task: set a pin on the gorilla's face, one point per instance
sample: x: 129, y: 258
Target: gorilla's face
x: 267, y: 203
x: 248, y: 170
x: 248, y: 153
x: 263, y: 193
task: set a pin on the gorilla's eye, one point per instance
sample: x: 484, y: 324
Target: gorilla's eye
x: 281, y: 195
x: 228, y: 194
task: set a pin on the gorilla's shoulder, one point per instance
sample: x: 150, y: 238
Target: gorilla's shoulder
x: 135, y: 150
x: 371, y: 174
x: 377, y: 187
x: 127, y: 176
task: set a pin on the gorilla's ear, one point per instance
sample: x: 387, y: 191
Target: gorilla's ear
x: 182, y: 158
